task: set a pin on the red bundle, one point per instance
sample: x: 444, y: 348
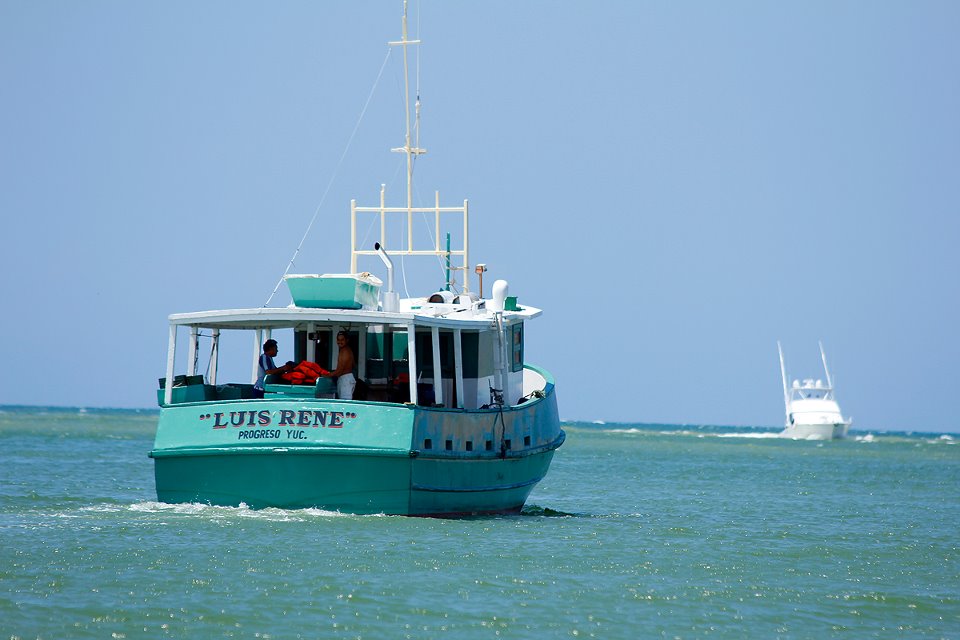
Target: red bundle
x: 304, y: 373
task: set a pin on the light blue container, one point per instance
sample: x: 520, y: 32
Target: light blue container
x: 334, y: 291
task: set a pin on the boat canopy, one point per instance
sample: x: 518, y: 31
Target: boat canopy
x: 423, y: 314
x: 415, y: 316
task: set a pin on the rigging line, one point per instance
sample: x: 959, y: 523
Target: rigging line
x: 332, y: 177
x: 403, y: 272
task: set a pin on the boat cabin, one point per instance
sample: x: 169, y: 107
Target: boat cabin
x: 810, y: 389
x: 435, y: 351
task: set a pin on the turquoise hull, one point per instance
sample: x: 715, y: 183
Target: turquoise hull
x: 354, y: 456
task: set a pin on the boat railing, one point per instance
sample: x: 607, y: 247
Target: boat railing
x: 533, y: 381
x: 411, y: 249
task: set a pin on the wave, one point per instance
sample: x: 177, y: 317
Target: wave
x: 220, y: 512
x: 748, y: 432
x: 58, y: 410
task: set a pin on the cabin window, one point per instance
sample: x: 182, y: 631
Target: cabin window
x: 425, y: 362
x: 478, y: 348
x: 395, y: 349
x: 449, y: 445
x: 526, y: 441
x: 516, y: 364
x: 489, y: 445
x: 428, y: 443
x: 469, y: 445
x: 377, y: 362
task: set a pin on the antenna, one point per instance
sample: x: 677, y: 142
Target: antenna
x: 823, y: 356
x: 409, y: 150
x: 783, y: 374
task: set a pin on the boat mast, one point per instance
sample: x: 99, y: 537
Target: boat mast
x: 783, y: 375
x: 407, y: 148
x: 412, y: 149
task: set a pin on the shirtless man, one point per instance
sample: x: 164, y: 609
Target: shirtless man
x: 346, y: 383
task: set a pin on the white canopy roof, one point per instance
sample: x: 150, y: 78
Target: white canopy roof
x: 428, y: 315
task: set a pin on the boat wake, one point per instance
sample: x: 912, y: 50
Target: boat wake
x: 546, y: 512
x: 212, y: 511
x: 764, y: 435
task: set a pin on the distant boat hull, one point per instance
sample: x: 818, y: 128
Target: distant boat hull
x: 355, y: 456
x: 831, y: 431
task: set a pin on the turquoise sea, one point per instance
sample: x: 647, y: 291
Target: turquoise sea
x: 639, y: 531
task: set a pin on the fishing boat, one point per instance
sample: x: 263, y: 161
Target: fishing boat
x: 812, y: 412
x: 447, y: 418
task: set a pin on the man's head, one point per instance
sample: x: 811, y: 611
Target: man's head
x: 270, y: 347
x: 342, y: 339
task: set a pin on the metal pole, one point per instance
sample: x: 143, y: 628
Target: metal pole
x: 362, y: 352
x: 214, y: 356
x: 458, y: 365
x: 406, y: 89
x: 437, y: 374
x: 448, y: 262
x: 257, y: 338
x: 383, y: 216
x: 436, y: 222
x: 353, y: 236
x: 412, y: 360
x: 311, y: 342
x: 171, y: 357
x: 192, y: 353
x: 466, y: 250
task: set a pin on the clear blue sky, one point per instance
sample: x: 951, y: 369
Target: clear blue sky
x: 678, y: 185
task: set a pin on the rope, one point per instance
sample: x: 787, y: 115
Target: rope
x: 403, y: 275
x: 196, y: 351
x: 333, y: 177
x: 503, y: 431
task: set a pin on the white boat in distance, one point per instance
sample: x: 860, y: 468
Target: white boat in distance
x: 812, y: 412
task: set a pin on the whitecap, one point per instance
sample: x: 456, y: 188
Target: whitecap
x: 761, y: 435
x: 104, y: 508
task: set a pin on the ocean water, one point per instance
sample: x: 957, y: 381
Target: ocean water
x: 639, y: 531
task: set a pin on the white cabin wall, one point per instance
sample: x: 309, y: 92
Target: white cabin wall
x: 476, y: 391
x: 514, y: 389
